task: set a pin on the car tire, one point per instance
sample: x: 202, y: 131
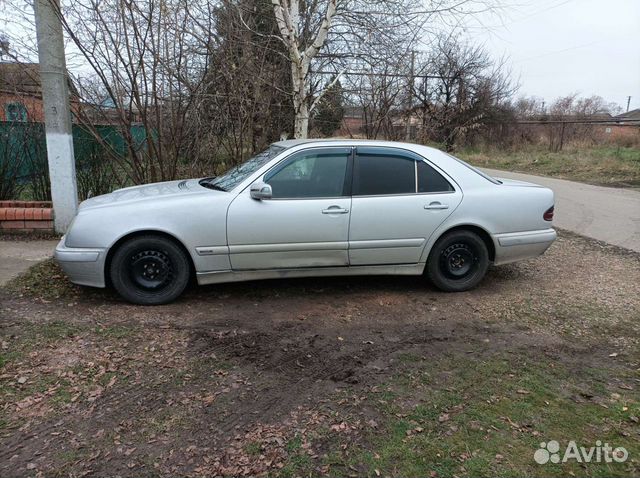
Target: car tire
x: 458, y: 261
x: 150, y: 270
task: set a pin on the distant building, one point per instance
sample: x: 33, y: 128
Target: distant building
x: 630, y: 117
x: 352, y: 121
x: 21, y: 93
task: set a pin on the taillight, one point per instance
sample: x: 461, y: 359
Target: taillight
x: 548, y: 215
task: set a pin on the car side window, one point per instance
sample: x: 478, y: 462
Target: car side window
x: 311, y: 175
x: 430, y: 180
x: 377, y: 174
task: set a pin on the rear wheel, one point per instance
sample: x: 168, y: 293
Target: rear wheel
x: 458, y: 261
x: 149, y: 270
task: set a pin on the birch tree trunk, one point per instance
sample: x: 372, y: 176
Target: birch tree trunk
x: 300, y: 103
x: 287, y: 13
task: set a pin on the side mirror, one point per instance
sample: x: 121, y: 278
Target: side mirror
x: 260, y: 191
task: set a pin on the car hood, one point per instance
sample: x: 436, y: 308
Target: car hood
x: 153, y: 191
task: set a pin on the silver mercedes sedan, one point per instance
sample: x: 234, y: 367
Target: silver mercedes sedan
x: 309, y: 208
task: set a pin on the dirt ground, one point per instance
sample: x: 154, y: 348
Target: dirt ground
x: 345, y: 376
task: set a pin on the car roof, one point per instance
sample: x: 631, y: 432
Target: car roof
x: 290, y: 143
x: 457, y: 169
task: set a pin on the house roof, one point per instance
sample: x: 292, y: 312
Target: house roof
x: 630, y: 115
x: 24, y: 78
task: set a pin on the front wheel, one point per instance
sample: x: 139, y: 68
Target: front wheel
x: 458, y: 261
x: 149, y: 270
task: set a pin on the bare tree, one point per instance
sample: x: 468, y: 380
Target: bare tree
x: 462, y: 89
x: 343, y: 33
x: 288, y: 17
x: 568, y: 111
x: 245, y: 100
x: 529, y: 107
x: 147, y: 61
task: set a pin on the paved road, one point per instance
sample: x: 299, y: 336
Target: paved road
x: 17, y: 256
x: 607, y: 214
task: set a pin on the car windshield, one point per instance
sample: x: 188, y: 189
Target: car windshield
x: 239, y: 173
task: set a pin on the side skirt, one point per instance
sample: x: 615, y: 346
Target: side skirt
x: 217, y: 277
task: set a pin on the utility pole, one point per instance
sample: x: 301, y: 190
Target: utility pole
x: 407, y: 133
x: 57, y: 117
x: 628, y: 102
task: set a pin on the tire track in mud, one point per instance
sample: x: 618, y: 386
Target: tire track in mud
x: 251, y: 348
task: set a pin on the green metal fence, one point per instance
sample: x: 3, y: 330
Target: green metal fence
x: 23, y: 145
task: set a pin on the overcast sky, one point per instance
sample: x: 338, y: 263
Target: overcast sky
x: 557, y: 47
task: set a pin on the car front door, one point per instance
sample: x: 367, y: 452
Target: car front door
x: 304, y: 224
x: 399, y: 199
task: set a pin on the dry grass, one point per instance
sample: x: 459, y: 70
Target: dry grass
x: 601, y: 165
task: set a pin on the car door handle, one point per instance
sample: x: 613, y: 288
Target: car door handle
x: 335, y: 210
x: 436, y: 205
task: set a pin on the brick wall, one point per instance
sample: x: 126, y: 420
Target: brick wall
x: 26, y: 216
x: 33, y: 105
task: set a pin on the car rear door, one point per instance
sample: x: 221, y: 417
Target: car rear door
x: 398, y: 201
x: 304, y: 224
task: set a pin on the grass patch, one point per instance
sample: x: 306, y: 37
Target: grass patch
x: 602, y: 165
x: 45, y: 280
x: 254, y: 448
x: 30, y: 336
x: 8, y: 357
x: 299, y: 463
x: 117, y: 332
x: 488, y: 417
x: 53, y: 331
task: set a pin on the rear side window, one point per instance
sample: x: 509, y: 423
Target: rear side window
x: 430, y: 180
x: 375, y: 174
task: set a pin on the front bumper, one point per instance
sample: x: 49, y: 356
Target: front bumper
x: 517, y: 246
x: 84, y: 266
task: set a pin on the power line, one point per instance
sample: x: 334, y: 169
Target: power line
x: 389, y: 75
x: 612, y: 121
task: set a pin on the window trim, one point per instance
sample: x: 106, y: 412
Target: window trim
x: 347, y: 185
x: 405, y: 154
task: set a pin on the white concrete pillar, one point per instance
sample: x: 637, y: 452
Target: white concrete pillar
x: 57, y: 116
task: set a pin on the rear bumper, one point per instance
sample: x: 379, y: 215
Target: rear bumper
x: 516, y: 246
x: 84, y: 266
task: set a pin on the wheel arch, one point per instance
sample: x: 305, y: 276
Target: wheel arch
x: 144, y: 232
x: 481, y: 232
